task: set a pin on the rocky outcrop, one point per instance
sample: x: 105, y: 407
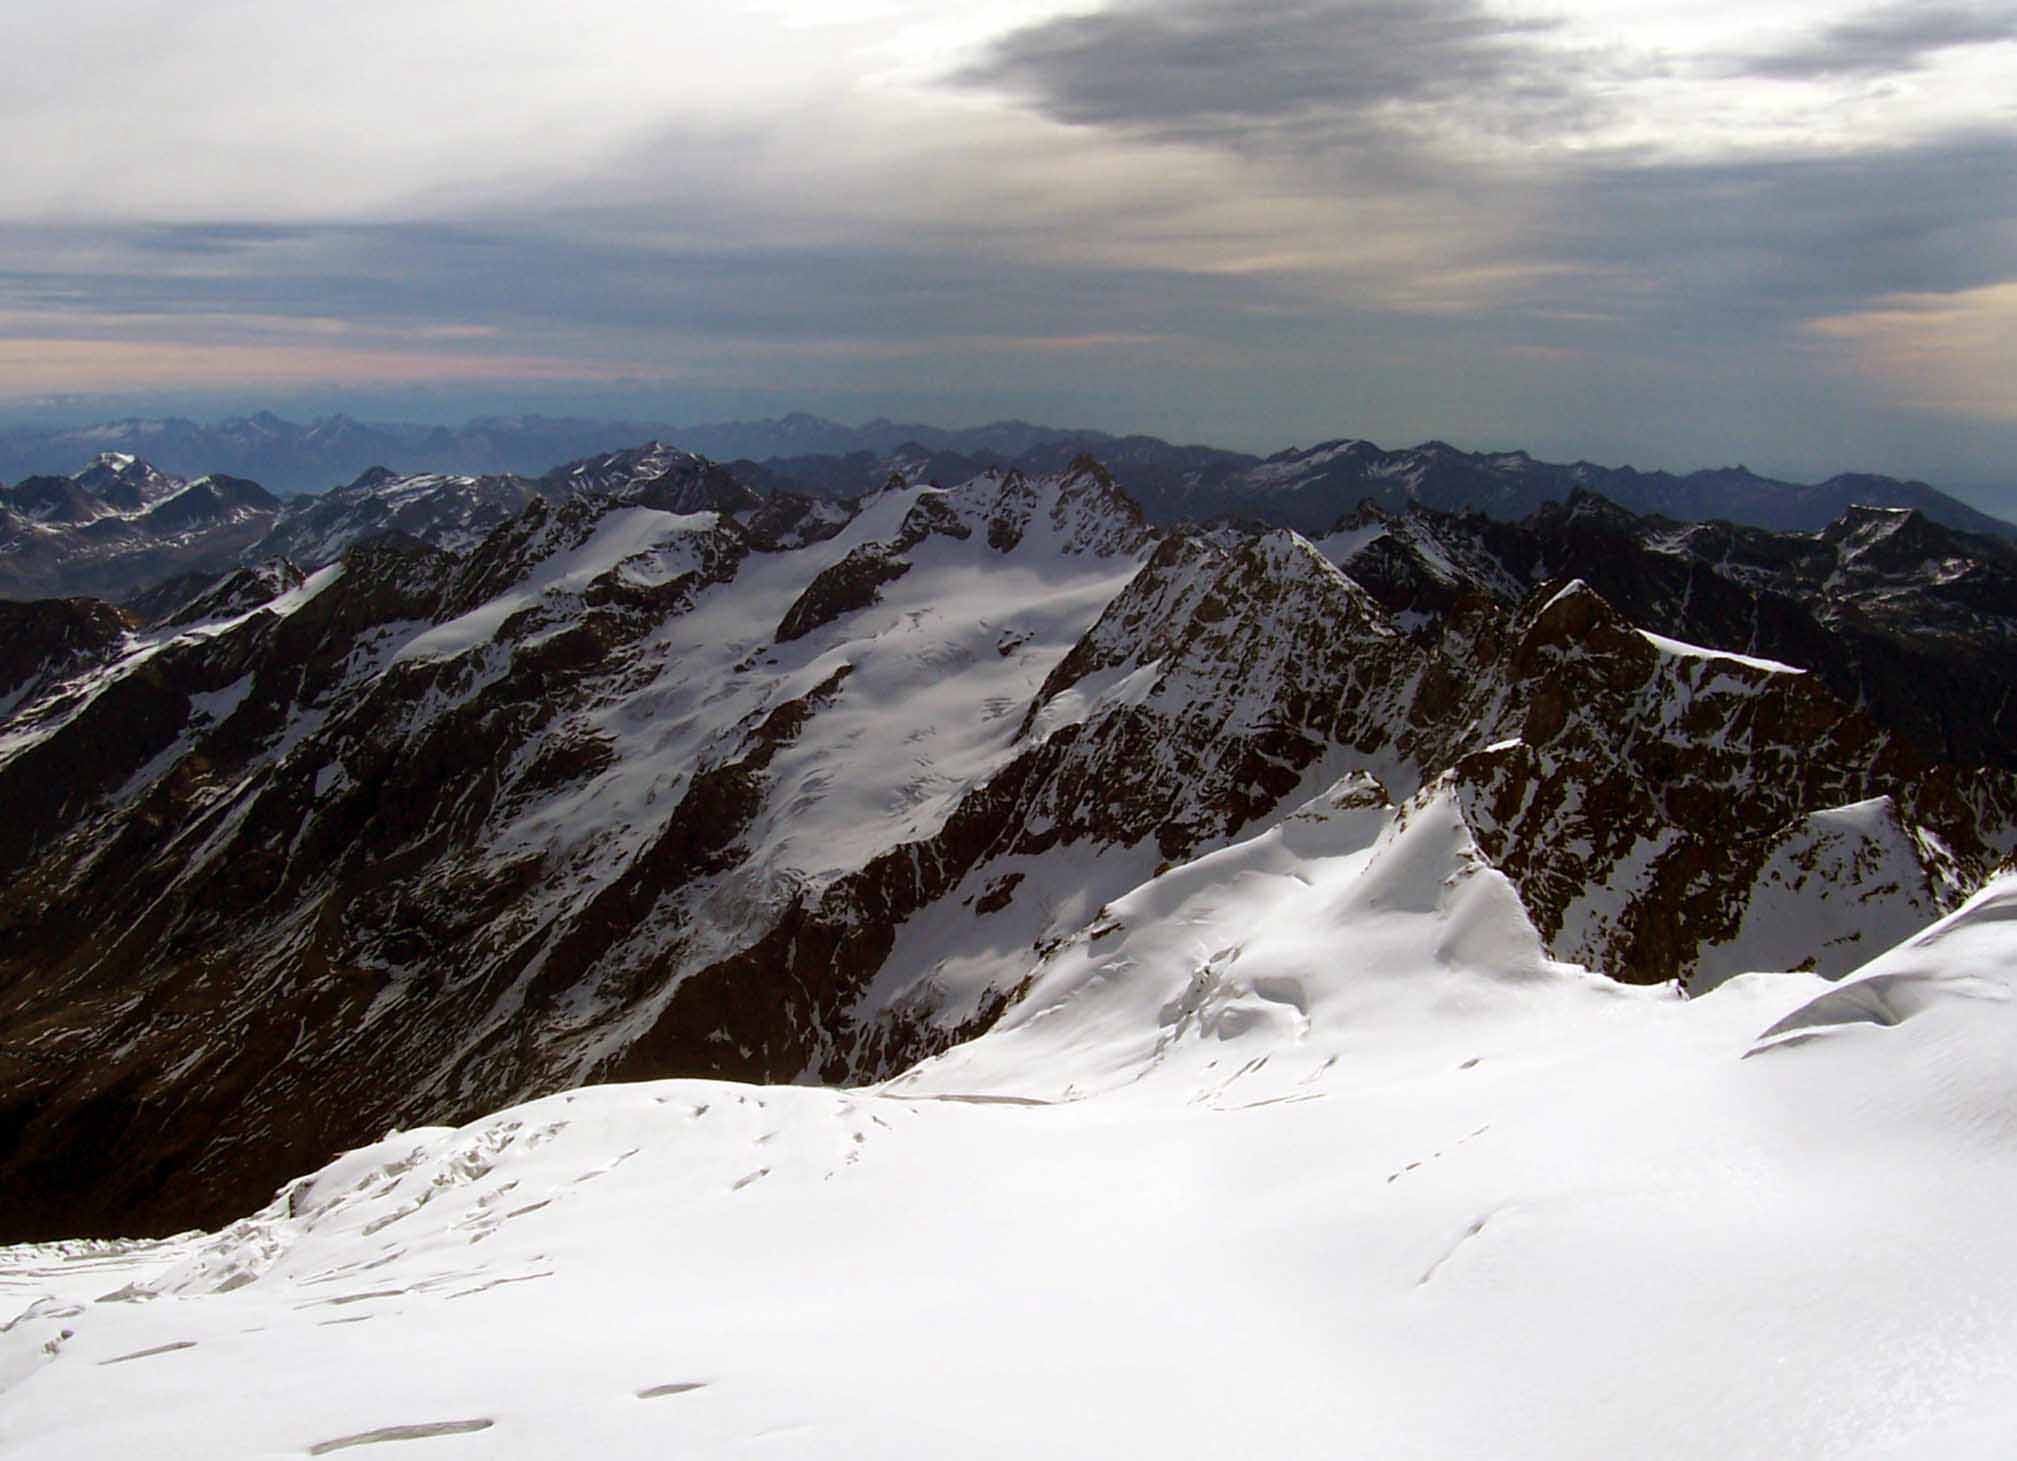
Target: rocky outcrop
x: 1642, y: 785
x: 49, y: 641
x: 851, y: 585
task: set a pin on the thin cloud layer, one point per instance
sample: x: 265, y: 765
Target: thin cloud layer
x: 1789, y: 237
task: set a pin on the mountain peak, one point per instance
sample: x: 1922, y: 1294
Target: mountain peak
x: 126, y: 481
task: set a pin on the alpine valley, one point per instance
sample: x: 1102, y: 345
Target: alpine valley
x: 971, y: 963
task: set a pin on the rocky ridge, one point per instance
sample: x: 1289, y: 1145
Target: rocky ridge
x: 1891, y: 610
x: 1308, y: 488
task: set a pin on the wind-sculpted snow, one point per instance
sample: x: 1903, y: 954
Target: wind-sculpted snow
x: 1315, y: 1109
x: 1269, y: 949
x: 1950, y: 973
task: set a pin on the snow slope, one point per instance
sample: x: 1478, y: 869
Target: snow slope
x: 1301, y: 1149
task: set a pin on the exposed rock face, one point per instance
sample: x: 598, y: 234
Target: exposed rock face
x: 390, y: 816
x: 850, y: 585
x: 237, y: 592
x: 1641, y: 786
x: 638, y: 785
x: 56, y: 500
x: 1634, y: 788
x: 49, y: 641
x: 126, y: 483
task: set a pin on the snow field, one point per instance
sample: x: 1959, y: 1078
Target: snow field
x: 1385, y: 1182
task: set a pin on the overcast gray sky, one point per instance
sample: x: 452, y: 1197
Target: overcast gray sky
x: 1672, y: 234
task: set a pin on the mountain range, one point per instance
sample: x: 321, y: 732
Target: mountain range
x: 650, y: 957
x: 292, y: 456
x: 658, y: 775
x: 1301, y: 487
x: 122, y: 525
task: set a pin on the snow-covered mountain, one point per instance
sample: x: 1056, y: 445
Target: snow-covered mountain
x: 448, y: 512
x: 125, y: 483
x: 1310, y: 488
x: 1892, y: 611
x: 967, y: 972
x: 119, y: 525
x: 296, y: 456
x: 487, y: 463
x: 122, y: 529
x: 1306, y: 1148
x: 650, y: 781
x: 456, y: 513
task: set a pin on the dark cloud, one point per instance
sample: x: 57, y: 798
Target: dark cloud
x: 1305, y: 75
x: 1616, y: 255
x: 1885, y: 41
x: 1387, y: 90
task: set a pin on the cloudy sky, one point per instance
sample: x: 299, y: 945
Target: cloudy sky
x: 1677, y: 234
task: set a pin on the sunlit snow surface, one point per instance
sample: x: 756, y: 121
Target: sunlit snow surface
x: 1303, y: 1149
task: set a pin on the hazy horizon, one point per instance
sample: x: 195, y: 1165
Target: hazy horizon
x: 1996, y: 496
